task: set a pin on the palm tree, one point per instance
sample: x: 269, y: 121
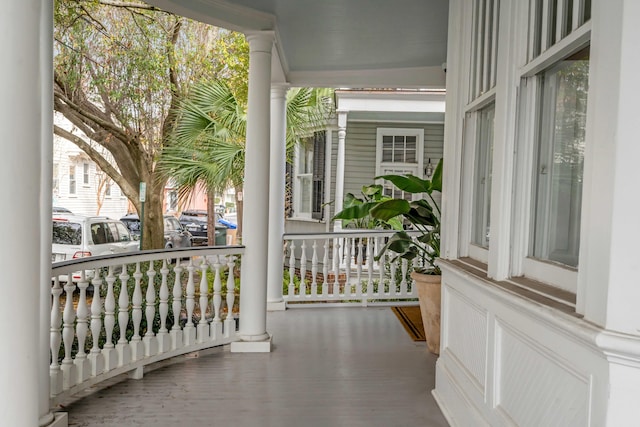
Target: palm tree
x: 208, y: 142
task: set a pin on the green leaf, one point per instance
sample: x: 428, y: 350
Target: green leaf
x: 408, y: 183
x: 436, y: 179
x: 355, y: 211
x: 390, y: 208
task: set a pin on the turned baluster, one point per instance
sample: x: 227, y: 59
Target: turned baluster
x: 55, y: 338
x: 190, y: 329
x: 314, y: 270
x: 392, y: 280
x: 217, y: 290
x: 108, y: 349
x: 303, y: 269
x: 370, y: 267
x: 203, y: 302
x: 230, y: 321
x: 124, y: 352
x: 336, y: 267
x: 191, y: 292
x: 150, y: 341
x: 164, y: 298
x: 150, y: 301
x: 325, y: 269
x: 403, y: 281
x: 382, y: 267
x: 82, y: 322
x: 347, y: 272
x: 204, y: 292
x: 136, y: 312
x: 68, y: 318
x: 176, y: 307
x: 359, y: 261
x: 292, y: 268
x: 163, y: 308
x: 96, y: 357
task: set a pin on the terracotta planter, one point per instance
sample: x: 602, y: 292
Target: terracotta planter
x: 428, y: 287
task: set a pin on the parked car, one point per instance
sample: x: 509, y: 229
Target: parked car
x: 175, y: 235
x: 60, y: 209
x: 77, y: 236
x: 195, y: 221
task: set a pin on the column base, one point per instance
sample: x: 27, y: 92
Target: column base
x: 276, y: 306
x: 252, y: 346
x: 60, y: 419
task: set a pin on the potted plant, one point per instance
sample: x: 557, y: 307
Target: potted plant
x: 422, y: 215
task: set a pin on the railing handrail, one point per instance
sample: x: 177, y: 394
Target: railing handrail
x: 345, y: 234
x: 98, y: 261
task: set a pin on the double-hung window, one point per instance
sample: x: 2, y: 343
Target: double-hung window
x: 480, y: 229
x: 72, y: 179
x: 399, y: 152
x: 551, y: 142
x: 479, y: 130
x: 309, y: 180
x: 85, y: 173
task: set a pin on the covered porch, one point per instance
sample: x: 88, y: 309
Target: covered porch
x: 329, y: 366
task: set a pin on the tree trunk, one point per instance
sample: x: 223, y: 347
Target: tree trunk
x: 211, y: 216
x: 153, y: 230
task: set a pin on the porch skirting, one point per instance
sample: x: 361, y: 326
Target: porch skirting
x: 508, y: 360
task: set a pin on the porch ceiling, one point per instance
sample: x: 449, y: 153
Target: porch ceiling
x: 338, y: 43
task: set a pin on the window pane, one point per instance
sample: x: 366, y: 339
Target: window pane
x: 482, y: 177
x: 305, y: 194
x: 561, y: 160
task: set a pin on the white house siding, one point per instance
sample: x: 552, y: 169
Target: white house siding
x: 360, y: 150
x: 84, y: 201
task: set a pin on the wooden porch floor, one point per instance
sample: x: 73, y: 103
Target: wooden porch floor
x: 329, y: 367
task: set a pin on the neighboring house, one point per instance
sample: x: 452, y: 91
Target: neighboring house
x: 376, y: 132
x: 80, y: 186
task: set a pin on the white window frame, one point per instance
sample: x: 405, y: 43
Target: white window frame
x: 416, y: 168
x: 470, y: 144
x: 297, y: 181
x: 86, y: 171
x: 522, y: 263
x: 73, y: 180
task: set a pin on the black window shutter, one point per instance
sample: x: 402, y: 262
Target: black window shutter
x: 288, y: 190
x: 319, y: 139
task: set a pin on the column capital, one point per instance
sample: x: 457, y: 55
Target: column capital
x: 261, y: 41
x: 279, y: 90
x: 342, y: 118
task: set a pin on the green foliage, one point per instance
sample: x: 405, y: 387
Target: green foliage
x: 356, y: 210
x: 423, y: 215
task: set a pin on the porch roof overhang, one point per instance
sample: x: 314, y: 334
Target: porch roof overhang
x: 424, y: 106
x: 333, y: 43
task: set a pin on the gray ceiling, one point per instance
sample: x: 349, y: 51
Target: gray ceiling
x: 349, y: 43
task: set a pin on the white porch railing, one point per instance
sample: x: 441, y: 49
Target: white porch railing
x: 186, y: 295
x: 340, y: 268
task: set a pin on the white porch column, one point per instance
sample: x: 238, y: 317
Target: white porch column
x: 25, y: 40
x: 255, y: 221
x: 275, y: 301
x: 342, y: 134
x: 608, y: 289
x: 46, y: 417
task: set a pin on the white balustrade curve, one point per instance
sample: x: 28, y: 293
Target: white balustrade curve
x: 160, y: 289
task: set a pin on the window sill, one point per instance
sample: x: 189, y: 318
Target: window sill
x: 524, y: 287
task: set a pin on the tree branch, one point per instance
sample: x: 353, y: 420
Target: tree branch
x: 128, y: 5
x: 98, y: 158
